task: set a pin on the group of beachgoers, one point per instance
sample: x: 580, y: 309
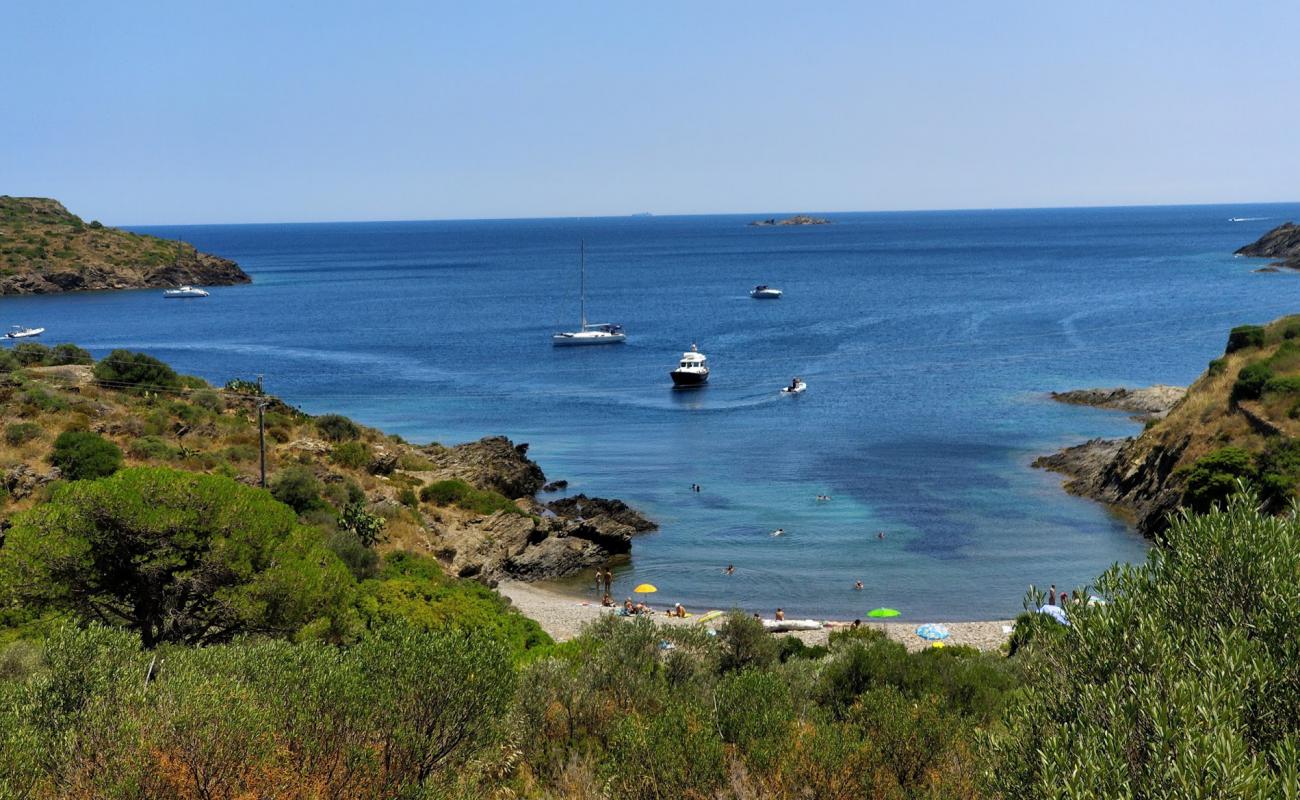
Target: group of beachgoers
x: 1065, y: 596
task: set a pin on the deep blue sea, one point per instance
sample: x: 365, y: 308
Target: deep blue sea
x: 928, y: 341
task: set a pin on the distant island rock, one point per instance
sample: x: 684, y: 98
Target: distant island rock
x: 45, y: 249
x: 798, y: 219
x: 1281, y: 243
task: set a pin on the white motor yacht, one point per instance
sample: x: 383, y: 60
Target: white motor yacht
x: 19, y: 332
x: 765, y: 292
x: 588, y: 332
x: 692, y: 370
x: 185, y: 291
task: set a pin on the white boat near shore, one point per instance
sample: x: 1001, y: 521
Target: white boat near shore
x: 19, y: 332
x: 184, y: 292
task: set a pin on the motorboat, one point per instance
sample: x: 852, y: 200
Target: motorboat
x: 765, y: 292
x: 692, y: 370
x: 185, y: 291
x: 796, y: 387
x: 19, y: 332
x: 588, y: 332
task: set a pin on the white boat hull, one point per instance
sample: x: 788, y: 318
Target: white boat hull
x: 766, y: 294
x: 800, y: 389
x: 785, y: 625
x: 25, y: 334
x: 587, y: 338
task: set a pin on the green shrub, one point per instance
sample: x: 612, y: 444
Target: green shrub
x: 1217, y: 366
x: 30, y: 354
x: 63, y: 354
x: 241, y: 453
x: 674, y: 748
x: 84, y: 455
x: 297, y: 488
x: 361, y: 561
x: 1251, y: 381
x: 407, y: 498
x: 367, y: 527
x: 1182, y: 685
x: 1283, y: 385
x: 138, y: 372
x: 1243, y: 336
x: 744, y: 643
x: 20, y: 432
x: 241, y: 386
x: 414, y: 462
x: 38, y: 398
x: 337, y: 428
x: 1212, y: 478
x: 354, y: 455
x: 153, y: 447
x: 209, y: 401
x: 459, y: 493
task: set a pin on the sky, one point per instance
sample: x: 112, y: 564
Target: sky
x: 191, y: 112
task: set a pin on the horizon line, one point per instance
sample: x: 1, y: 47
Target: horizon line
x: 755, y: 214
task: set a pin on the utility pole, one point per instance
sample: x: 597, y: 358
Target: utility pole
x: 261, y: 428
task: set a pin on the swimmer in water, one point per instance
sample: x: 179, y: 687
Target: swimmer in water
x: 779, y: 532
x: 880, y: 534
x: 858, y: 586
x: 730, y: 570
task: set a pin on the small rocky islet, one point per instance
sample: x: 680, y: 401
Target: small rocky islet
x: 798, y: 219
x: 46, y: 249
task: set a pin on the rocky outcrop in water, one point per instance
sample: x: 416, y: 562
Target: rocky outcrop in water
x: 493, y: 463
x: 1282, y: 243
x: 1151, y: 402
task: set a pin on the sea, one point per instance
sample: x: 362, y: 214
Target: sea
x: 929, y: 342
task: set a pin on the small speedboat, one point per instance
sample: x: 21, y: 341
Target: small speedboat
x: 19, y: 332
x: 765, y: 292
x: 692, y: 370
x: 185, y: 291
x: 796, y: 387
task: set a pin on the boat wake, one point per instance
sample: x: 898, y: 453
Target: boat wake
x: 1247, y: 219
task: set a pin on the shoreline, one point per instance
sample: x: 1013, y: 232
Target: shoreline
x: 562, y: 616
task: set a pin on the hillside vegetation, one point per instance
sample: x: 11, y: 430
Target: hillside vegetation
x: 45, y: 248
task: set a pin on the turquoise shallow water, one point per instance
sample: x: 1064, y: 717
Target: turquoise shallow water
x: 928, y: 341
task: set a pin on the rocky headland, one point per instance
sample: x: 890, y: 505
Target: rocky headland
x: 45, y: 249
x: 798, y: 219
x: 1281, y: 244
x: 1239, y: 421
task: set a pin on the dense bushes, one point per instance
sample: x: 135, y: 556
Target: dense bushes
x: 128, y: 371
x: 337, y: 428
x: 403, y: 713
x: 81, y: 455
x: 21, y: 432
x: 459, y: 493
x: 1273, y: 473
x: 297, y: 488
x: 1183, y: 685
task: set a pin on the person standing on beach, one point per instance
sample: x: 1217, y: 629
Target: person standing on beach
x: 1051, y: 595
x: 780, y: 614
x: 609, y: 580
x: 598, y: 580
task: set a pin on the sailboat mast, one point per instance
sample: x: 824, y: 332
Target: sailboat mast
x: 582, y: 280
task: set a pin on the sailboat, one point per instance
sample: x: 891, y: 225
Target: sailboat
x: 590, y: 332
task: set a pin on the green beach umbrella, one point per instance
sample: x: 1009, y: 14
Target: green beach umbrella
x: 883, y: 612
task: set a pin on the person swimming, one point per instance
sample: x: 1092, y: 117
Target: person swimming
x: 858, y: 586
x: 778, y: 532
x: 730, y: 570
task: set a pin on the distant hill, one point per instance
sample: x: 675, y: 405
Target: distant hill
x: 44, y: 248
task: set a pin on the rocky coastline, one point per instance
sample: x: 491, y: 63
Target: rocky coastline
x: 1281, y: 244
x: 537, y: 541
x: 1128, y: 476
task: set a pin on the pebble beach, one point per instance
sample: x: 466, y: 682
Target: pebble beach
x: 563, y: 616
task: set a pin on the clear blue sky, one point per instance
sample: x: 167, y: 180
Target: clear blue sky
x: 138, y: 113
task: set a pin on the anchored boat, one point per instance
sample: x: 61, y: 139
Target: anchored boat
x: 589, y: 332
x: 692, y: 370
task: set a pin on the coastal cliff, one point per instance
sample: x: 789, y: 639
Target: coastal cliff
x: 1282, y: 244
x: 45, y: 249
x: 1238, y: 422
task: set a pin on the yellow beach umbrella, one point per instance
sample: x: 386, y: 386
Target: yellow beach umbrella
x: 645, y: 588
